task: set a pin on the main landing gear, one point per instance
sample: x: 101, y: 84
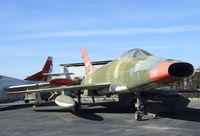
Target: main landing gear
x: 38, y: 100
x: 139, y: 105
x: 77, y: 106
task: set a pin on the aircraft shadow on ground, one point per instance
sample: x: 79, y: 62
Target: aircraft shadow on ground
x: 90, y: 111
x: 14, y: 107
x: 188, y: 114
x: 82, y: 114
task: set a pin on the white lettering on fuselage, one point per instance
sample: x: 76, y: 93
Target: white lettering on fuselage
x: 153, y: 73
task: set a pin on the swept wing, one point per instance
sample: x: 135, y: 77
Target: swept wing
x: 61, y: 88
x: 27, y: 86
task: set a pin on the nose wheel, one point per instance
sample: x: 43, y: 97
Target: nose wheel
x: 139, y: 105
x: 138, y: 116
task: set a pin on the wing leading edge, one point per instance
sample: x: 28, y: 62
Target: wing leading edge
x: 27, y: 86
x: 61, y: 88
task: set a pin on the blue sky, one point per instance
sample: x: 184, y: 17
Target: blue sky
x: 31, y: 30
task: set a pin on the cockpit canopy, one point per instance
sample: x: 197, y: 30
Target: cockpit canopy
x: 136, y: 53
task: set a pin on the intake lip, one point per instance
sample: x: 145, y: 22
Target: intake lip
x: 180, y: 69
x: 169, y: 72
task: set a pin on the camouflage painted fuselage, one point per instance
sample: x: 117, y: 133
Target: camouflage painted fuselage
x: 124, y: 71
x: 135, y: 73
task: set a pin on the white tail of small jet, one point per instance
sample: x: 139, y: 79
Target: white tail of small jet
x: 88, y: 65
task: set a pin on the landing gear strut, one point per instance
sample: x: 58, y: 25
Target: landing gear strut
x: 38, y: 100
x: 139, y: 105
x: 77, y: 106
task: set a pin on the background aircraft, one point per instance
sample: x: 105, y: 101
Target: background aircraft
x: 29, y: 82
x: 136, y: 71
x: 43, y: 78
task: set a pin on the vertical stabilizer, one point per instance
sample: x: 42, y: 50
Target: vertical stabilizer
x: 66, y: 73
x: 88, y: 65
x: 46, y: 69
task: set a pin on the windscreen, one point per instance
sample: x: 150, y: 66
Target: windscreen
x: 136, y: 53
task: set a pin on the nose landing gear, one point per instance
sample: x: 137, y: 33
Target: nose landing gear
x: 139, y: 105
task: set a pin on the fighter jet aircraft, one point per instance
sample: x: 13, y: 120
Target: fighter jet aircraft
x: 134, y: 71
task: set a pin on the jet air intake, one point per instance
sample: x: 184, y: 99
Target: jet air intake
x: 180, y: 69
x: 168, y: 72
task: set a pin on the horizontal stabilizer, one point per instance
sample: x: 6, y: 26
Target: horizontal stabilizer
x: 57, y: 74
x: 83, y: 64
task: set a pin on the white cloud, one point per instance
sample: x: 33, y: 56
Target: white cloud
x: 29, y: 51
x: 108, y: 32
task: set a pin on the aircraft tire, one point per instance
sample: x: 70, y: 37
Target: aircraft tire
x: 26, y: 101
x: 77, y: 107
x: 138, y: 116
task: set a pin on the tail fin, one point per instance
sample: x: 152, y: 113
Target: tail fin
x: 88, y: 65
x: 46, y: 69
x: 67, y: 74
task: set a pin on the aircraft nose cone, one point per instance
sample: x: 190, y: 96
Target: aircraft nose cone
x: 168, y: 72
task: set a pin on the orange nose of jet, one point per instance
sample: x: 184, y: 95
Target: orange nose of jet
x: 168, y: 72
